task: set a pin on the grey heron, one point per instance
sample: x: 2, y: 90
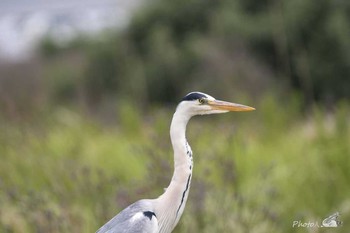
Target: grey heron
x: 161, y: 215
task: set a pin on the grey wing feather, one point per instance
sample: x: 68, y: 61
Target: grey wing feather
x: 136, y: 218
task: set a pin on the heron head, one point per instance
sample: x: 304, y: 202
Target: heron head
x: 198, y: 103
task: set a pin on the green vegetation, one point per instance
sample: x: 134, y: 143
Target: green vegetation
x: 236, y: 48
x: 254, y: 172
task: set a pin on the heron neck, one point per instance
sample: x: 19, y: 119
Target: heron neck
x: 175, y: 196
x: 178, y: 140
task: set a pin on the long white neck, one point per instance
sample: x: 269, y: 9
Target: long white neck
x: 171, y: 203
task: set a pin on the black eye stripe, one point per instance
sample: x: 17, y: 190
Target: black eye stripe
x: 193, y: 96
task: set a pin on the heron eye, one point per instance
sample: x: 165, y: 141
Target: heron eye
x: 202, y: 101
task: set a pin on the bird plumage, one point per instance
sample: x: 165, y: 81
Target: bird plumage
x: 137, y: 217
x: 161, y: 215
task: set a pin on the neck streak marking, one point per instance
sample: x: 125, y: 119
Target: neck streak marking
x: 183, y: 194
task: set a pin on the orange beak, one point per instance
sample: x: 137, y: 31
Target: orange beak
x: 227, y: 106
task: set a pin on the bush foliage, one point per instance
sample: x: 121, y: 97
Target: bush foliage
x: 172, y: 46
x: 255, y: 172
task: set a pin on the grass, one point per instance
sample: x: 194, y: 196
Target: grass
x: 253, y: 172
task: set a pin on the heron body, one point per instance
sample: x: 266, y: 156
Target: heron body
x: 162, y: 214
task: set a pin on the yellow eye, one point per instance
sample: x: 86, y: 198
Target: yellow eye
x: 202, y: 101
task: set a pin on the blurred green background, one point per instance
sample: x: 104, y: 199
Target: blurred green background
x: 84, y: 126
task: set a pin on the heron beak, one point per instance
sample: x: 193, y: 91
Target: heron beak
x: 227, y: 106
